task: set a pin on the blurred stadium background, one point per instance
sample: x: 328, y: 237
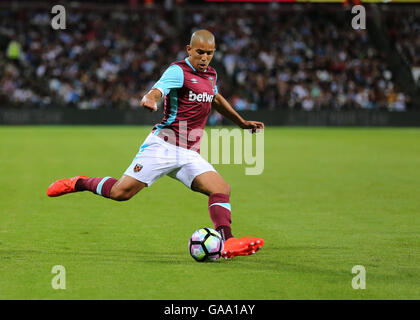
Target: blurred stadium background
x: 294, y: 63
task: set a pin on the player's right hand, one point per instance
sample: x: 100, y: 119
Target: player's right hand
x: 148, y: 103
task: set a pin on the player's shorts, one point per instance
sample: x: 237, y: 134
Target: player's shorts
x: 157, y: 158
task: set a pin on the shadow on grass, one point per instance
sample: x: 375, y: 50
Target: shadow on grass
x: 105, y: 255
x: 275, y: 260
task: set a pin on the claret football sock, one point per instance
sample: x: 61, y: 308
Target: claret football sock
x: 101, y: 186
x: 225, y: 232
x: 220, y: 214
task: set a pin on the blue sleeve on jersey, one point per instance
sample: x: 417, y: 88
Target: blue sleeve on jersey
x: 216, y: 90
x: 172, y: 78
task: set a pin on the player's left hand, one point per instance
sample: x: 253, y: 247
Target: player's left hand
x: 148, y: 103
x: 255, y: 126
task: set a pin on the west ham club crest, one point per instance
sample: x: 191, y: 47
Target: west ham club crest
x: 137, y: 167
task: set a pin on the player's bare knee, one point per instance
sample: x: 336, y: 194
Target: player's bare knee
x: 121, y: 195
x: 227, y: 189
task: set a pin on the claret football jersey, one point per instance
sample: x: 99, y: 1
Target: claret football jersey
x: 188, y: 97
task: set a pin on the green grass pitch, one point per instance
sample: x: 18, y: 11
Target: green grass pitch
x: 328, y: 199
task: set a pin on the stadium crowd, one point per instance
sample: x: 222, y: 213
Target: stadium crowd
x: 274, y: 59
x: 405, y: 34
x: 103, y: 59
x: 304, y: 60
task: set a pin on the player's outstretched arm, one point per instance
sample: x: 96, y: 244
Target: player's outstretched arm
x: 150, y: 99
x: 226, y: 110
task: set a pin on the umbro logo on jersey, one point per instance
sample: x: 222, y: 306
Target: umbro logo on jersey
x: 202, y: 97
x: 194, y: 80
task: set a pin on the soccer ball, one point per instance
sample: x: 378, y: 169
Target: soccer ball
x: 206, y: 244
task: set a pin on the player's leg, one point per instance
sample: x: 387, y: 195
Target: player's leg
x: 200, y: 176
x: 120, y: 190
x: 209, y: 183
x: 215, y: 187
x: 142, y: 172
x: 108, y: 187
x: 125, y: 188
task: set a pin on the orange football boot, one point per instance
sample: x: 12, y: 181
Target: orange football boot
x: 63, y: 186
x: 243, y: 246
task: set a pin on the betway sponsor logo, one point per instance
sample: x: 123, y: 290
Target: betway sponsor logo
x: 202, y: 97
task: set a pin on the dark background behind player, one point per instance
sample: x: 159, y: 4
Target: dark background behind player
x: 279, y: 57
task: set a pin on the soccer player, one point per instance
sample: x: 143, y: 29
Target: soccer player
x: 172, y: 148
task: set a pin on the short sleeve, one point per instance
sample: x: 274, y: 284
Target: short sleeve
x: 216, y: 90
x: 172, y: 78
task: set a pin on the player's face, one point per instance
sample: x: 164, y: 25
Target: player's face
x: 200, y: 54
